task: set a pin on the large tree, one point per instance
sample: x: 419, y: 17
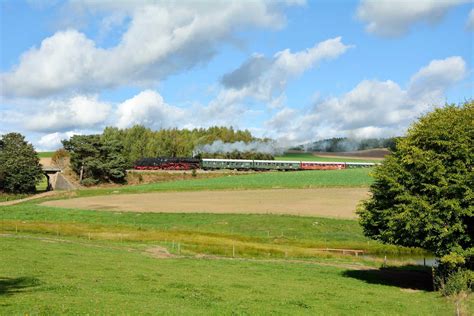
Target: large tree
x: 99, y: 159
x: 20, y: 169
x: 423, y: 194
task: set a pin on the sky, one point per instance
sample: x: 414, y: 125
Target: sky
x: 295, y: 71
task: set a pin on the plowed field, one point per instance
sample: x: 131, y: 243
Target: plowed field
x: 333, y: 202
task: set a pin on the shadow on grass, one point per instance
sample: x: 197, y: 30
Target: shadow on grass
x: 407, y: 277
x: 10, y: 286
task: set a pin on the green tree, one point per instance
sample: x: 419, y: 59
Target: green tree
x: 100, y: 160
x: 20, y: 169
x: 423, y: 195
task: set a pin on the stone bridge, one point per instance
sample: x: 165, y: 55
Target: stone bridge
x: 56, y: 181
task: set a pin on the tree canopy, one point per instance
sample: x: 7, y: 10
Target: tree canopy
x: 100, y: 159
x: 20, y: 169
x: 423, y: 192
x: 139, y: 141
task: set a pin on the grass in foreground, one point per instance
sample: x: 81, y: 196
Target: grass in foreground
x: 266, y: 180
x: 54, y: 277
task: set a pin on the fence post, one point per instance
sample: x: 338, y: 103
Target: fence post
x: 233, y: 250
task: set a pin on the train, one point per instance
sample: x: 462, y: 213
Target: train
x: 168, y: 163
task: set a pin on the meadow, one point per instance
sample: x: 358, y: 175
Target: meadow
x: 73, y: 261
x: 357, y: 177
x: 64, y: 276
x: 61, y: 276
x: 45, y: 154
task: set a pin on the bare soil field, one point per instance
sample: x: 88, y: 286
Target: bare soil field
x: 332, y: 202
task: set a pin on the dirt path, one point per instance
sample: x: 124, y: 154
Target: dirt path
x: 333, y: 202
x: 36, y: 196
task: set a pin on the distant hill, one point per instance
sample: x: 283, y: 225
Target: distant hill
x: 344, y: 144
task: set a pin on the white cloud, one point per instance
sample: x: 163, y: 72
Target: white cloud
x: 52, y: 141
x: 75, y: 113
x: 148, y: 108
x: 185, y: 34
x: 372, y: 108
x: 394, y: 18
x: 470, y: 21
x: 439, y: 74
x: 265, y: 79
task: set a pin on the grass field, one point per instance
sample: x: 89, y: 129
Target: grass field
x: 4, y: 197
x: 72, y: 261
x: 311, y: 157
x: 52, y: 276
x: 45, y: 154
x: 266, y: 180
x: 208, y: 233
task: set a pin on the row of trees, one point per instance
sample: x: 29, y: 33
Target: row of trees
x: 139, y: 141
x: 105, y: 157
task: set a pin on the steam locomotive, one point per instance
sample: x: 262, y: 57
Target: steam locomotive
x: 167, y: 163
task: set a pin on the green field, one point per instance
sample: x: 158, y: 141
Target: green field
x: 265, y: 180
x: 72, y: 261
x: 4, y: 197
x: 64, y: 276
x: 208, y: 233
x: 45, y: 154
x: 311, y: 157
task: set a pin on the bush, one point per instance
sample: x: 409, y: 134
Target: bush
x: 60, y: 158
x: 88, y: 182
x: 457, y: 282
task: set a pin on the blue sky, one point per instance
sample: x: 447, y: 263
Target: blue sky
x: 292, y: 70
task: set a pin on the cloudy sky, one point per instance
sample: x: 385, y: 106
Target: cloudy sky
x: 291, y: 70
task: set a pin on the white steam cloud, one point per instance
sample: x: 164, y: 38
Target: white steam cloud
x: 268, y: 147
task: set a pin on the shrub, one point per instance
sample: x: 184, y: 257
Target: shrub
x: 60, y: 158
x: 88, y: 182
x: 457, y: 282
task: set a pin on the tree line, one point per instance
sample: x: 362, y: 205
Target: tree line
x: 344, y: 144
x: 105, y: 157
